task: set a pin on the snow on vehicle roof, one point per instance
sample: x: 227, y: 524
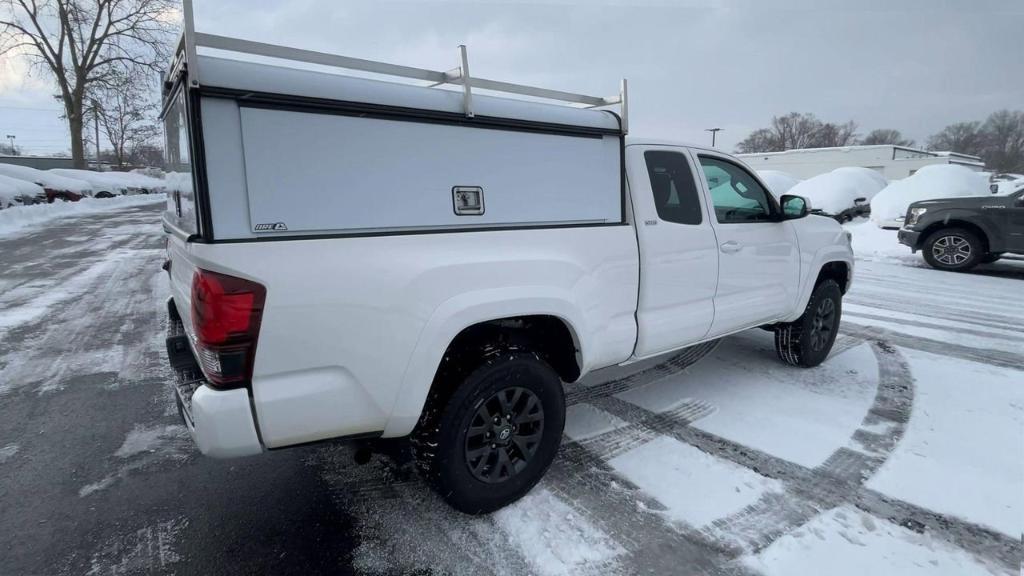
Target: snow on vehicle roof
x: 46, y: 179
x: 23, y: 187
x: 778, y: 182
x: 839, y: 190
x: 928, y: 183
x: 99, y: 180
x: 260, y: 77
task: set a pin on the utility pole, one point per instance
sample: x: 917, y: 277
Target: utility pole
x: 10, y: 138
x: 714, y: 132
x: 96, y: 123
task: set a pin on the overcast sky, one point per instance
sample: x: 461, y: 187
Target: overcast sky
x: 914, y: 65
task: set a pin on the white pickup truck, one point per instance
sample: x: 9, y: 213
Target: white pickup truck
x: 358, y: 258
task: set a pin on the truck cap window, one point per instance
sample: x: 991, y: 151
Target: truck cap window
x: 737, y: 196
x: 673, y: 186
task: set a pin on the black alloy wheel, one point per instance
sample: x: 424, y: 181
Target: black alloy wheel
x: 823, y: 324
x: 504, y: 434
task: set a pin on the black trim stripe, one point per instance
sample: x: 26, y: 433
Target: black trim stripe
x: 367, y: 110
x: 452, y: 230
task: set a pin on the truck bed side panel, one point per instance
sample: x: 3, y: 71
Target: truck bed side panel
x: 354, y: 328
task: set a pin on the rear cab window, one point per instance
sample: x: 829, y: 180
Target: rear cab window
x: 675, y: 191
x: 181, y: 205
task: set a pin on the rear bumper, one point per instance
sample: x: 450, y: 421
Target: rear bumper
x: 908, y: 238
x: 220, y: 422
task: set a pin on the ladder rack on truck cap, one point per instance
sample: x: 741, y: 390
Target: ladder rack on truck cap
x: 190, y: 41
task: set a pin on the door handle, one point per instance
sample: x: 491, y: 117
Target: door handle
x: 731, y: 247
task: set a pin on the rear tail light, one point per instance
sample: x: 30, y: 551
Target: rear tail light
x: 226, y: 315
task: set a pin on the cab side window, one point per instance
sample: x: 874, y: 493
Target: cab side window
x: 737, y: 196
x: 675, y: 191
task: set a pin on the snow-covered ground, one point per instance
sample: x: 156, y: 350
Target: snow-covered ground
x: 901, y: 454
x: 21, y: 219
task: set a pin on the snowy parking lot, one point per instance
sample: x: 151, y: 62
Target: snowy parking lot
x: 902, y: 454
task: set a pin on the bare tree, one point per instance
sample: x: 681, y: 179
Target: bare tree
x: 127, y: 116
x: 1004, y: 141
x: 798, y: 130
x: 760, y: 140
x: 886, y: 136
x: 963, y: 137
x: 85, y: 43
x: 830, y: 135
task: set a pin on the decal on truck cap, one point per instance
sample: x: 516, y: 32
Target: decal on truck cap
x: 271, y: 227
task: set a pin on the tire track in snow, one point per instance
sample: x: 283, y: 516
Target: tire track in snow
x: 993, y: 357
x: 839, y: 480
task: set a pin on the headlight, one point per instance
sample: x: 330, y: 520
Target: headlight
x: 914, y: 215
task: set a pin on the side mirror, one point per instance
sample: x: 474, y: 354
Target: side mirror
x: 794, y: 207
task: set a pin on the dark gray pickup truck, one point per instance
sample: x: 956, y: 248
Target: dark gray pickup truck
x: 960, y: 233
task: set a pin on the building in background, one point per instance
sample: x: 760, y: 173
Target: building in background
x: 38, y: 162
x: 893, y: 162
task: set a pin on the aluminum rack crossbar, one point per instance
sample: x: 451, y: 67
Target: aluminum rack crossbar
x: 191, y: 40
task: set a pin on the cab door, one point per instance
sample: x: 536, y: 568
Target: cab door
x: 1015, y: 228
x: 678, y: 252
x: 759, y: 257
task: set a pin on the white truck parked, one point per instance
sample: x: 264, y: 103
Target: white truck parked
x: 358, y: 258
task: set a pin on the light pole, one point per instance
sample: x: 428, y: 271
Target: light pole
x: 714, y: 132
x: 11, y: 138
x: 96, y: 123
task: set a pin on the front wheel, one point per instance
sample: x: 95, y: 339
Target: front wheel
x: 807, y: 341
x: 494, y: 438
x: 953, y: 249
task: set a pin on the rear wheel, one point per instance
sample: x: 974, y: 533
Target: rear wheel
x: 493, y: 438
x: 953, y: 249
x: 808, y: 341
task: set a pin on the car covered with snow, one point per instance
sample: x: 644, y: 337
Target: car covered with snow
x: 361, y: 259
x: 843, y: 194
x: 778, y: 182
x: 889, y: 207
x: 55, y: 186
x: 17, y: 192
x: 104, y: 185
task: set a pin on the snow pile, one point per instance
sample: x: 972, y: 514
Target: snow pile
x: 19, y: 218
x: 873, y: 243
x: 928, y: 183
x: 778, y: 182
x: 178, y: 181
x: 839, y: 190
x: 46, y: 178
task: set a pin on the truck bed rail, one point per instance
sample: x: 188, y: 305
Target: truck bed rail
x: 191, y: 40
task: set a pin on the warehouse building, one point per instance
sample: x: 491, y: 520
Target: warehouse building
x: 893, y: 162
